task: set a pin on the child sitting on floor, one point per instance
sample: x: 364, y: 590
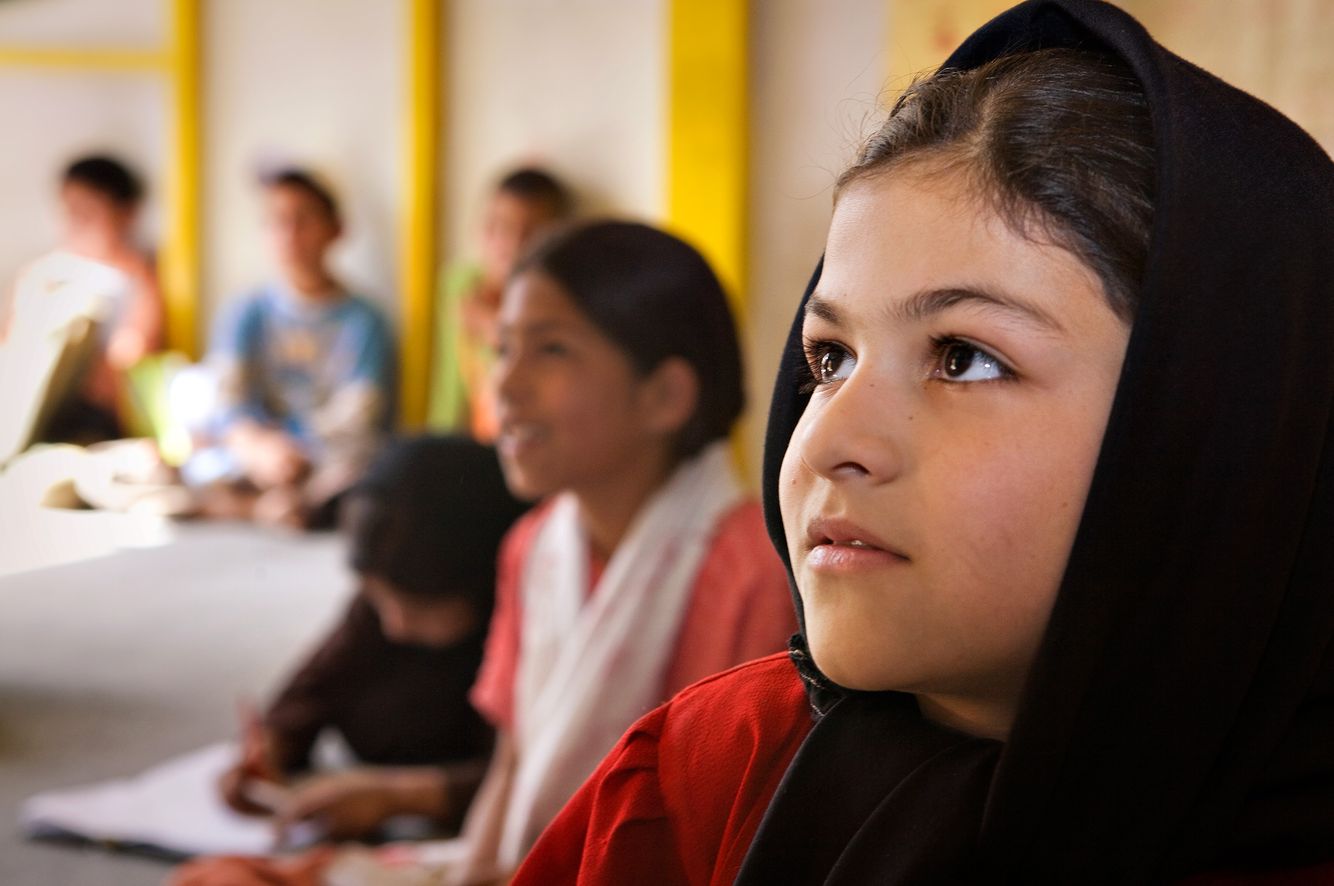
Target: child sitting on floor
x: 522, y: 205
x: 392, y: 678
x: 306, y: 374
x: 99, y: 274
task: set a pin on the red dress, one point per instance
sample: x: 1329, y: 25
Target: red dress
x: 680, y: 798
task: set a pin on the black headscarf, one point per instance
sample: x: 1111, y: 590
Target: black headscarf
x: 1180, y: 714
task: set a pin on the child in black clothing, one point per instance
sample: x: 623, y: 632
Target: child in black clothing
x: 393, y: 676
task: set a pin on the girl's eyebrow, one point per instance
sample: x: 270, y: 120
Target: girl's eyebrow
x: 535, y: 327
x: 822, y: 308
x: 929, y: 302
x: 933, y: 301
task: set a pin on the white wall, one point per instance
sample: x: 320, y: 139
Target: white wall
x: 817, y: 69
x: 577, y: 85
x: 51, y: 116
x: 310, y: 82
x: 85, y: 23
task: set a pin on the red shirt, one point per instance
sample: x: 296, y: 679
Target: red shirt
x: 680, y: 798
x: 739, y: 609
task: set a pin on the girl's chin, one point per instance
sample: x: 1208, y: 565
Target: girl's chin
x: 848, y: 671
x: 523, y: 485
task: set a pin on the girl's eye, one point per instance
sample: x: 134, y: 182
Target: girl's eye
x: 553, y: 349
x: 829, y: 362
x: 959, y: 361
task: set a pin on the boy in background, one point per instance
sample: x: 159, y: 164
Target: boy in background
x: 305, y: 369
x: 522, y: 205
x: 98, y: 274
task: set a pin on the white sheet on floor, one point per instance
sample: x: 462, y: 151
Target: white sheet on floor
x: 173, y: 807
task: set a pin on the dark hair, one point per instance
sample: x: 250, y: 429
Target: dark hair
x: 1059, y: 140
x: 309, y: 184
x: 655, y: 297
x: 107, y: 176
x: 428, y: 518
x: 538, y: 186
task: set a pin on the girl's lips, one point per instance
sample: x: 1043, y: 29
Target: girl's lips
x: 843, y: 532
x: 518, y: 443
x: 839, y: 545
x: 518, y: 437
x: 850, y: 558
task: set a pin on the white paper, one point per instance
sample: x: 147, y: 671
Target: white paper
x: 173, y: 807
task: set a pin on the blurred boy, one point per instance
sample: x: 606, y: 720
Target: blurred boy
x: 521, y: 206
x: 98, y: 274
x: 305, y: 371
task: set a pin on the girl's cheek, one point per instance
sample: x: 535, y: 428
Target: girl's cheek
x: 793, y: 483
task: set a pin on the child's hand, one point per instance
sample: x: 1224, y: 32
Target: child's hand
x: 277, y: 460
x: 347, y: 804
x: 256, y: 764
x: 270, y: 457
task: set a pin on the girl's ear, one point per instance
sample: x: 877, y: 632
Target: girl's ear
x: 669, y: 396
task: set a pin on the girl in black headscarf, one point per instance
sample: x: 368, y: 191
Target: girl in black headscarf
x: 1049, y: 462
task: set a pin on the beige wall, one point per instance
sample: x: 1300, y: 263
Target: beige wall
x: 1279, y: 50
x: 575, y: 85
x: 50, y: 116
x: 86, y: 23
x: 817, y: 69
x: 313, y: 82
x: 53, y: 116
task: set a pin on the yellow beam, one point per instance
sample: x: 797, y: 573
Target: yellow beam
x: 421, y: 141
x: 708, y: 134
x: 179, y: 259
x: 708, y: 143
x: 84, y: 59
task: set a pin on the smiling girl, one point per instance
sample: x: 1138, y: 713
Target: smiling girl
x: 618, y: 381
x: 1048, y: 462
x: 645, y: 569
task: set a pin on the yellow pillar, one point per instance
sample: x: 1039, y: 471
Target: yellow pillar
x: 75, y: 59
x: 707, y: 134
x: 179, y: 261
x: 708, y: 145
x: 421, y: 140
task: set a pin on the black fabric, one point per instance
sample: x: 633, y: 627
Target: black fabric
x: 1180, y: 714
x: 394, y: 704
x: 82, y: 422
x: 859, y: 804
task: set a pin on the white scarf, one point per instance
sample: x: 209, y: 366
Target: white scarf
x: 590, y: 667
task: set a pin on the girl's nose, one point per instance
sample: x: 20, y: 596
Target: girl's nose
x: 855, y: 433
x: 508, y: 378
